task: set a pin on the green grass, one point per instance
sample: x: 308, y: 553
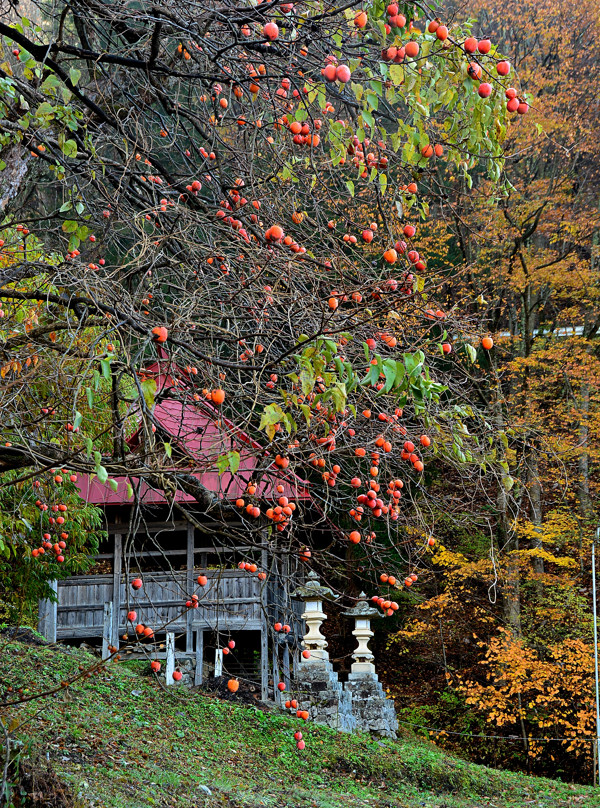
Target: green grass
x: 118, y: 740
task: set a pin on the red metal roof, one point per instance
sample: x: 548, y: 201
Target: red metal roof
x: 197, y: 430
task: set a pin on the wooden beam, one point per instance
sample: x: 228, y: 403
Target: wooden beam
x: 264, y: 630
x: 153, y: 527
x: 286, y: 667
x: 189, y: 637
x: 264, y: 662
x: 276, y: 693
x: 117, y: 562
x: 158, y: 604
x: 155, y: 577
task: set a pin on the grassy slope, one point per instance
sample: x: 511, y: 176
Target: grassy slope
x: 119, y: 740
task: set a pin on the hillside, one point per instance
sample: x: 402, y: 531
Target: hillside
x: 119, y: 740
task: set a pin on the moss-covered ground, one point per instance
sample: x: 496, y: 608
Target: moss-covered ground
x: 118, y: 739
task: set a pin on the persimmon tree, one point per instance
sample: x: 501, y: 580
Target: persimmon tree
x: 234, y: 190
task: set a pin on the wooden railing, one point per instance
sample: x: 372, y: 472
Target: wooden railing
x: 231, y: 601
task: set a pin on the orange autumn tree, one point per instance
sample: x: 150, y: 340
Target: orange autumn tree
x: 526, y: 264
x: 538, y: 695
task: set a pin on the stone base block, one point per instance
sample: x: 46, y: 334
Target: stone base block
x: 372, y: 710
x: 322, y: 694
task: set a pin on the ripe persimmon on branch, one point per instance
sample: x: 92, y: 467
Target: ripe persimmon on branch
x: 221, y: 208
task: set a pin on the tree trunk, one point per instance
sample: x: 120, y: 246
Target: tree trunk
x: 508, y: 543
x: 583, y: 463
x: 535, y: 499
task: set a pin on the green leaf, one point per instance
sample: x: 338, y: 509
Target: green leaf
x: 372, y: 101
x: 400, y: 373
x: 105, y: 368
x: 44, y: 110
x: 306, y: 412
x: 471, y: 351
x: 271, y: 416
x: 129, y: 491
x: 70, y: 148
x: 168, y: 449
x: 350, y: 187
x: 69, y: 226
x: 368, y: 118
x: 396, y: 73
x: 78, y: 419
x: 149, y: 392
x: 114, y: 485
x: 102, y: 474
x: 507, y: 482
x: 90, y: 397
x: 234, y: 461
x: 74, y: 75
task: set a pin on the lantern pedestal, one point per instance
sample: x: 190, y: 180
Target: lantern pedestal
x: 318, y: 688
x: 372, y: 710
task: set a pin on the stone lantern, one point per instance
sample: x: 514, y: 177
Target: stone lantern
x: 372, y: 711
x: 313, y: 594
x: 362, y: 613
x: 319, y: 690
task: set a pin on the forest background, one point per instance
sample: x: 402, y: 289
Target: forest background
x: 495, y: 649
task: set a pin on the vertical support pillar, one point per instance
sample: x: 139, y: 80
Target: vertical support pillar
x: 276, y: 679
x: 286, y: 666
x: 199, y: 656
x: 264, y: 663
x: 117, y: 566
x: 48, y: 614
x: 170, y: 662
x: 107, y: 629
x: 189, y: 637
x: 264, y: 629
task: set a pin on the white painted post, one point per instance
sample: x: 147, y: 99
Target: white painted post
x: 170, y: 662
x: 107, y: 629
x: 218, y: 661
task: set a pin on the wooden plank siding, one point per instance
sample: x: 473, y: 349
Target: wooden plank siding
x: 231, y: 601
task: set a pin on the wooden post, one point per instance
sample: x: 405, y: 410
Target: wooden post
x: 189, y: 637
x: 117, y: 564
x: 107, y: 629
x: 276, y: 694
x: 218, y: 661
x: 48, y: 615
x: 286, y: 666
x: 170, y: 662
x: 199, y: 656
x: 264, y: 629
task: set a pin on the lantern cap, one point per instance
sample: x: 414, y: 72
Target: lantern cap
x: 312, y: 589
x: 362, y: 609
